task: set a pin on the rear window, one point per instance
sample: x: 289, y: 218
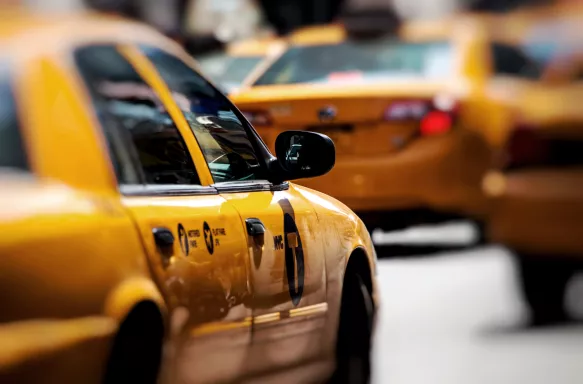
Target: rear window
x: 365, y: 61
x: 12, y: 153
x: 526, y: 61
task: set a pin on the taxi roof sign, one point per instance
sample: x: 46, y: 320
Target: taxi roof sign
x: 371, y: 22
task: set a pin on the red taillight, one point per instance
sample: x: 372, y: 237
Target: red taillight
x: 258, y: 118
x: 436, y: 116
x: 436, y: 123
x: 525, y: 147
x: 407, y: 110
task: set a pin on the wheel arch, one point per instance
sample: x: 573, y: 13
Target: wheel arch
x: 136, y: 351
x: 359, y: 262
x: 123, y: 300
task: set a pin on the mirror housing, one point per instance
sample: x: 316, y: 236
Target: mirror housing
x: 303, y: 154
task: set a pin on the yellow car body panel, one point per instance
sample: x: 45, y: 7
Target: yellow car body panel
x: 78, y: 252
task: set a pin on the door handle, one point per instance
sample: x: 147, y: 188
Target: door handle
x: 255, y: 227
x: 163, y: 237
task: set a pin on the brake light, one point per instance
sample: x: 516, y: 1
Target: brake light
x: 258, y: 118
x: 436, y: 123
x: 525, y: 147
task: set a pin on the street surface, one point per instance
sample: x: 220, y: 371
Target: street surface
x: 454, y: 318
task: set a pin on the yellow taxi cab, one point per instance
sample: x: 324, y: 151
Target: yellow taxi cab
x: 241, y: 59
x: 535, y: 189
x: 406, y: 111
x: 528, y: 36
x: 140, y: 210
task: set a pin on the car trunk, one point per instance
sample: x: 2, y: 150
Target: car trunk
x: 354, y: 116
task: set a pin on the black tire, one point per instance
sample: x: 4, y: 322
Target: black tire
x: 543, y: 283
x: 354, y: 333
x: 137, y: 349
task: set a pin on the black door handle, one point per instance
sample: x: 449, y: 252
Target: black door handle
x: 163, y: 237
x: 255, y: 227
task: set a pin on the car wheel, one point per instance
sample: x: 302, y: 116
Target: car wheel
x: 137, y: 349
x: 354, y: 332
x: 544, y: 282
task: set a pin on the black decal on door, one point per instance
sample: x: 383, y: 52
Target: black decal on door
x: 183, y: 239
x: 278, y: 242
x: 208, y: 237
x: 294, y: 253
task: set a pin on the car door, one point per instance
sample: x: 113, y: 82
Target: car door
x: 193, y: 238
x: 287, y: 268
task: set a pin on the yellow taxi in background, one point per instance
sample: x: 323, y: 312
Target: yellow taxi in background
x: 241, y: 59
x: 530, y: 36
x: 139, y: 206
x: 535, y: 190
x: 417, y: 116
x: 403, y: 110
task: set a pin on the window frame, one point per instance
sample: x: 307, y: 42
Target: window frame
x: 115, y: 138
x: 12, y: 83
x: 264, y: 156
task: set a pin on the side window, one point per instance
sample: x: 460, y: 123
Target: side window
x: 12, y: 154
x: 145, y: 145
x: 512, y: 61
x: 221, y: 135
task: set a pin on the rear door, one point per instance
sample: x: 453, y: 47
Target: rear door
x: 193, y: 237
x: 287, y: 271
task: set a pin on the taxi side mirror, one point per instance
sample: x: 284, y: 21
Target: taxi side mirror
x: 302, y: 154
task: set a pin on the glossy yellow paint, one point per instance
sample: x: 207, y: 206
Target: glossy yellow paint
x: 78, y: 252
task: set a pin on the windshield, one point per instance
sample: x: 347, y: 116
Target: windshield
x: 12, y: 153
x: 362, y: 61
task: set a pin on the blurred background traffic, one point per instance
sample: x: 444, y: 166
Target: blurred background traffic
x: 458, y: 129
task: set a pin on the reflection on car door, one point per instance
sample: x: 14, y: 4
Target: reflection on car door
x: 287, y: 271
x: 192, y: 235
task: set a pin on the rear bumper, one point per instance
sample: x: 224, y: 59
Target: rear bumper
x: 539, y: 212
x: 46, y: 350
x: 442, y: 173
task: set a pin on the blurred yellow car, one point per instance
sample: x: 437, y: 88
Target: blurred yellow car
x: 139, y: 206
x: 535, y: 190
x: 416, y: 117
x: 241, y: 59
x: 406, y: 112
x: 530, y: 36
